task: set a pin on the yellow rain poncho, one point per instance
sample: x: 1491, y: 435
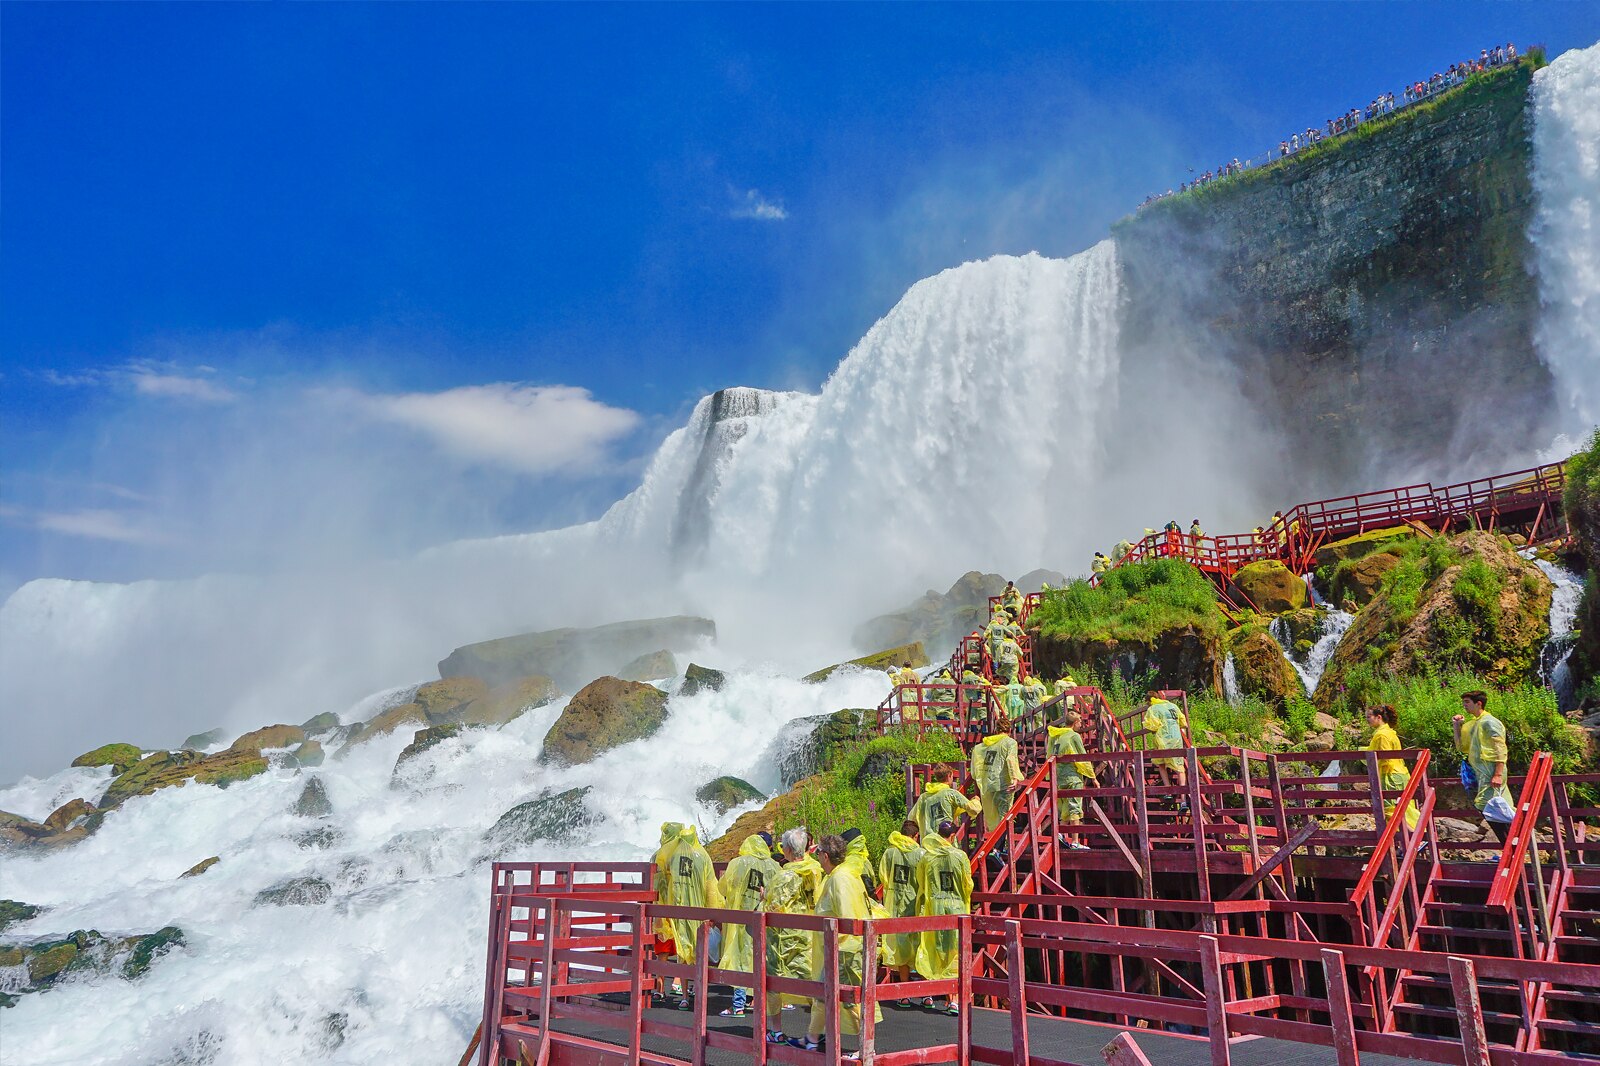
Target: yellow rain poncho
x: 842, y: 896
x: 793, y: 891
x: 1168, y: 722
x: 1483, y: 742
x: 669, y: 840
x: 995, y: 769
x: 691, y: 882
x: 944, y: 886
x: 1034, y: 693
x: 1392, y: 773
x: 940, y: 803
x: 1014, y: 700
x: 1064, y: 740
x: 743, y: 886
x: 897, y: 870
x: 1008, y: 661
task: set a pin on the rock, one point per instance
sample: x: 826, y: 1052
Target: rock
x: 19, y: 831
x: 310, y: 753
x: 326, y: 722
x: 47, y: 965
x: 1184, y: 657
x: 725, y: 793
x: 573, y: 656
x: 443, y: 701
x: 701, y: 679
x: 1483, y: 609
x: 554, y: 817
x: 1582, y: 501
x: 878, y: 661
x: 806, y: 746
x: 1358, y: 583
x: 725, y: 847
x: 1324, y: 722
x: 1272, y: 587
x: 209, y: 739
x: 13, y: 911
x: 271, y: 736
x: 295, y: 892
x: 63, y: 817
x: 1362, y: 545
x: 148, y: 948
x: 604, y: 714
x: 407, y: 714
x: 200, y: 867
x: 1035, y: 581
x: 321, y: 838
x: 879, y: 764
x: 1304, y: 625
x: 117, y: 756
x: 166, y: 768
x: 313, y: 801
x: 510, y: 701
x: 1262, y: 670
x: 651, y: 667
x: 938, y: 621
x: 421, y: 741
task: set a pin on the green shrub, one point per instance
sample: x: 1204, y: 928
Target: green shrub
x: 877, y: 805
x: 1133, y: 603
x: 1241, y: 723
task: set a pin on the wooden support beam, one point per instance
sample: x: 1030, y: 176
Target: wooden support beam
x: 1017, y: 993
x: 1469, y: 1012
x: 1116, y: 837
x: 1216, y: 1006
x: 1122, y: 1051
x: 1339, y: 1016
x: 1279, y: 857
x: 639, y: 994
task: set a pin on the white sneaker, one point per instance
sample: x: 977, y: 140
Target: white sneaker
x: 1078, y: 847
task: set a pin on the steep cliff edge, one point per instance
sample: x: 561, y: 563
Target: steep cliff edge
x: 1374, y: 294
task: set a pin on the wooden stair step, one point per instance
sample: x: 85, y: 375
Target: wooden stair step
x: 1482, y: 934
x: 1490, y: 1017
x: 1464, y: 908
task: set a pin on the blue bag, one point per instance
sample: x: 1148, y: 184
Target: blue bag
x: 1469, y: 779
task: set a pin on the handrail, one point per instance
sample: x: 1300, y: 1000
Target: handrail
x: 1521, y: 832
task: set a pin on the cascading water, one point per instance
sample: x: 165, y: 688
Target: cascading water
x: 1230, y: 680
x: 1554, y: 667
x: 1334, y: 623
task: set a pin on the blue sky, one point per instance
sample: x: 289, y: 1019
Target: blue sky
x: 280, y: 281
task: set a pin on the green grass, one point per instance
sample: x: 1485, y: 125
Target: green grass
x: 1244, y: 722
x: 1132, y: 603
x: 877, y: 805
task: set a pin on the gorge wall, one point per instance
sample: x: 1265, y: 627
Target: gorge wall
x: 1375, y: 294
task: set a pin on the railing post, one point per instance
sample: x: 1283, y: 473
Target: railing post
x: 494, y: 978
x: 1339, y: 1014
x: 1469, y: 1013
x: 758, y: 990
x: 702, y: 991
x: 637, y: 992
x: 1017, y: 993
x: 869, y: 993
x: 964, y: 992
x: 1216, y: 1004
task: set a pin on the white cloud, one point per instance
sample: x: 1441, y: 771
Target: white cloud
x: 534, y: 429
x: 90, y: 523
x: 754, y: 204
x: 149, y: 378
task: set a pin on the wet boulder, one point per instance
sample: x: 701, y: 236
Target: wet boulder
x: 309, y: 753
x: 422, y: 740
x: 603, y: 715
x: 723, y: 794
x: 701, y: 679
x: 164, y: 769
x: 550, y: 817
x: 381, y: 725
x: 200, y: 867
x: 651, y: 667
x: 209, y: 739
x: 317, y: 724
x: 13, y: 911
x: 313, y: 801
x: 117, y: 756
x: 295, y: 892
x: 572, y: 656
x: 271, y: 736
x: 1262, y: 669
x: 443, y: 701
x: 1272, y: 587
x: 879, y: 661
x: 506, y: 703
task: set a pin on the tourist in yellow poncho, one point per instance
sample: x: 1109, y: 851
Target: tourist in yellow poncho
x: 691, y: 882
x: 1392, y: 773
x: 1481, y: 737
x: 1168, y: 722
x: 897, y: 871
x: 1008, y: 662
x: 997, y: 772
x: 1065, y: 742
x: 793, y: 891
x: 842, y: 896
x: 940, y: 802
x: 743, y: 885
x: 944, y: 887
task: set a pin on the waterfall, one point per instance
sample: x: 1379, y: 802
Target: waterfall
x: 1566, y: 232
x: 1554, y: 667
x: 1230, y: 680
x: 1334, y: 623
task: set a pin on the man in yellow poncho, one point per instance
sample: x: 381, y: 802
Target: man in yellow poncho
x: 940, y: 802
x: 1034, y: 693
x: 897, y: 870
x: 997, y: 772
x: 995, y: 633
x: 793, y: 891
x: 1009, y: 661
x: 944, y: 887
x: 942, y: 700
x: 1011, y: 599
x: 1167, y: 722
x: 744, y: 884
x: 910, y: 698
x: 663, y: 930
x: 1392, y: 773
x: 691, y: 882
x: 842, y: 896
x: 1481, y: 737
x: 1065, y: 741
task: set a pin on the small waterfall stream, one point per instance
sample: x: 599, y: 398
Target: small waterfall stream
x: 1334, y: 624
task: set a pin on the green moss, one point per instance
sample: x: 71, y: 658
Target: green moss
x: 1132, y: 603
x: 865, y: 787
x: 117, y: 756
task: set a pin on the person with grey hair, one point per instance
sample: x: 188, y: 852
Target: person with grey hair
x: 793, y: 890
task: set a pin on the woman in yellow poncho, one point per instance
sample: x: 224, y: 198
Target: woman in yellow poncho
x: 663, y: 929
x: 944, y: 887
x: 690, y: 882
x: 997, y: 772
x: 1168, y: 722
x: 793, y: 891
x: 897, y: 870
x: 842, y: 896
x: 1392, y: 773
x: 1065, y: 742
x: 743, y: 885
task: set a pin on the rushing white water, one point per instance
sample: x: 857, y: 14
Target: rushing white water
x: 1310, y: 667
x: 1553, y: 659
x: 1230, y: 680
x: 390, y: 968
x: 1566, y: 231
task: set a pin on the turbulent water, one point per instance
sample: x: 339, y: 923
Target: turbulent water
x: 1564, y: 601
x: 987, y: 421
x: 1314, y: 662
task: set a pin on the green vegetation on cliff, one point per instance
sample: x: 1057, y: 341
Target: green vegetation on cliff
x: 1137, y: 602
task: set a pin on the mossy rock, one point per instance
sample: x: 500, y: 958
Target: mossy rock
x: 1184, y: 657
x: 651, y: 667
x: 167, y: 768
x: 443, y: 701
x: 551, y: 817
x: 1362, y: 545
x: 701, y: 679
x: 407, y: 714
x: 506, y: 703
x: 423, y: 740
x: 45, y: 966
x: 1262, y: 669
x: 13, y: 911
x: 269, y: 736
x: 200, y: 867
x: 879, y: 661
x: 310, y: 753
x: 148, y: 948
x: 725, y: 793
x: 63, y: 816
x: 209, y: 739
x: 1358, y: 582
x: 295, y: 892
x: 1272, y: 587
x: 326, y: 722
x: 117, y: 756
x: 313, y: 801
x: 807, y: 746
x: 762, y: 820
x: 603, y: 715
x: 1305, y: 625
x: 572, y: 655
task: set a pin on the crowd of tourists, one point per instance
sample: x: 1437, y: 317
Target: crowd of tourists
x: 1378, y: 106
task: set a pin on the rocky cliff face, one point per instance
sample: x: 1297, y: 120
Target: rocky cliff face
x: 1374, y: 294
